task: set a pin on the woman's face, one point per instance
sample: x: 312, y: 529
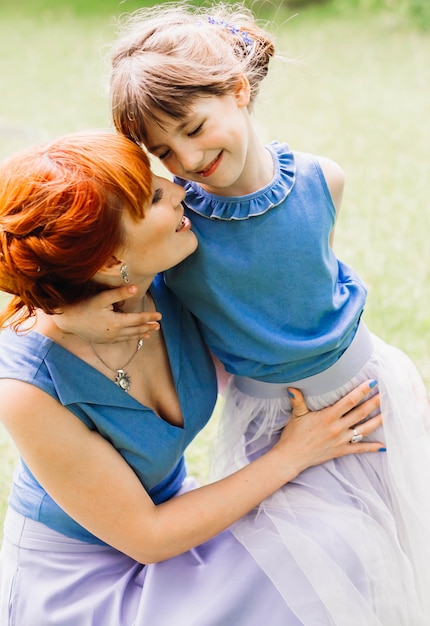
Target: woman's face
x: 163, y: 237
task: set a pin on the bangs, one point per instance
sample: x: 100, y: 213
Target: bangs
x: 141, y: 96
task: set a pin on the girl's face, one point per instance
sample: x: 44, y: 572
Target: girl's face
x: 163, y: 237
x: 210, y: 146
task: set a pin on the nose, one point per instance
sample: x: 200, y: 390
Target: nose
x: 191, y: 160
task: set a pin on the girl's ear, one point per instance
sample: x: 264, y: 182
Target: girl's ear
x: 242, y: 92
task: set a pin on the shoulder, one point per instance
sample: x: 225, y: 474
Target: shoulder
x: 22, y: 371
x: 26, y: 358
x: 22, y: 353
x: 335, y: 179
x: 23, y: 404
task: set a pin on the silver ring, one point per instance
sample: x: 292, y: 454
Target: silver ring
x: 356, y: 437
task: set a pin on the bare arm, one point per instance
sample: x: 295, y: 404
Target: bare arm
x: 96, y: 320
x: 90, y: 480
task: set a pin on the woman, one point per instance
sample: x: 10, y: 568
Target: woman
x: 103, y: 525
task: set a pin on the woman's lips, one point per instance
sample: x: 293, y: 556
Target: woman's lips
x: 184, y: 224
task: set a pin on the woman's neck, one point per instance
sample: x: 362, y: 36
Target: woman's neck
x: 135, y: 304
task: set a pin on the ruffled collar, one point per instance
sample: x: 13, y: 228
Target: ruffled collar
x: 242, y: 207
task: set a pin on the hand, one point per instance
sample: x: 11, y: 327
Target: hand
x: 96, y: 320
x: 319, y: 436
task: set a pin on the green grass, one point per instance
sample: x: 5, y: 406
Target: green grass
x: 357, y: 93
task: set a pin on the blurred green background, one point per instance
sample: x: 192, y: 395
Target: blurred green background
x: 356, y: 91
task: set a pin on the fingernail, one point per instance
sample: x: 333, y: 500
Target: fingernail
x: 291, y: 395
x: 382, y: 449
x: 373, y: 383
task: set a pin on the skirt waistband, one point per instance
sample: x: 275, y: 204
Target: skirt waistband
x: 24, y: 532
x: 347, y: 366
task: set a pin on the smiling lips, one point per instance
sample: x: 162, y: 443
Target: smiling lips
x: 184, y: 224
x: 211, y: 167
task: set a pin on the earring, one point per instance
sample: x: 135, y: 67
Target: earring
x: 124, y: 274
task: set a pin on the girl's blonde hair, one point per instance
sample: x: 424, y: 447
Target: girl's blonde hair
x: 167, y: 55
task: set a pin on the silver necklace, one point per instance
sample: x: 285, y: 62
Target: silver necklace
x: 122, y: 378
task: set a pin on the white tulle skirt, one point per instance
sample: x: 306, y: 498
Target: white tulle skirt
x: 347, y: 543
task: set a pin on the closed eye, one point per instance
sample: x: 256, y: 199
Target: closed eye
x: 164, y: 155
x: 196, y: 130
x: 158, y: 194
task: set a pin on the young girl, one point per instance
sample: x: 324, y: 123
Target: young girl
x: 279, y: 309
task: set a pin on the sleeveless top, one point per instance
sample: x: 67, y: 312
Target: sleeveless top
x: 273, y: 301
x: 151, y: 446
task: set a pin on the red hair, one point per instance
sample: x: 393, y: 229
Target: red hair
x: 60, y: 217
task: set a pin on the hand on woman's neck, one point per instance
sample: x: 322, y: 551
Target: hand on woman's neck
x: 135, y: 304
x: 46, y: 324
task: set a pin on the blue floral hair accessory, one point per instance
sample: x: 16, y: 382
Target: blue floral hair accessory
x: 246, y: 37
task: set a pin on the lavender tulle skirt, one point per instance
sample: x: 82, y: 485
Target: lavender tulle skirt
x: 348, y: 542
x: 47, y: 579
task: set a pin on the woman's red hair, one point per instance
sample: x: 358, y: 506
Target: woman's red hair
x: 60, y: 217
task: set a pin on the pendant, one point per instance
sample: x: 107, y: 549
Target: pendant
x: 123, y: 380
